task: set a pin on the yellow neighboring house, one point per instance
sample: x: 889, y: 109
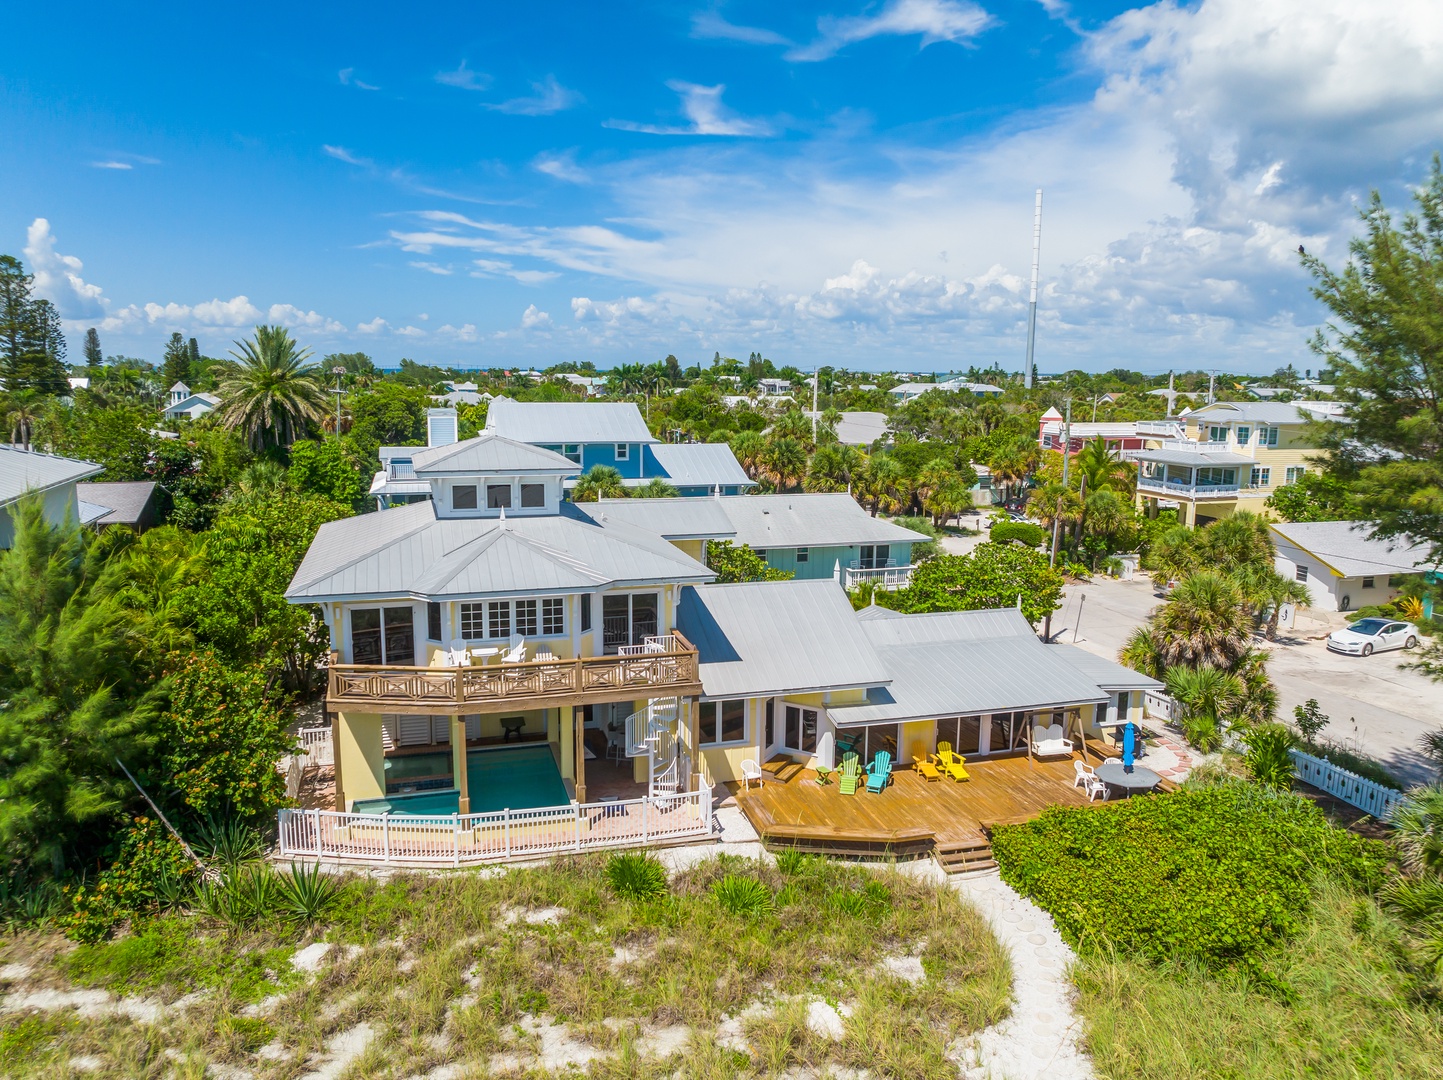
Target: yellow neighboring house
x: 1223, y: 458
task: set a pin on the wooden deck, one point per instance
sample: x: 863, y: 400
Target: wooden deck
x: 912, y: 816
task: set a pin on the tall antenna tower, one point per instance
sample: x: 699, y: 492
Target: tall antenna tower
x: 1032, y: 302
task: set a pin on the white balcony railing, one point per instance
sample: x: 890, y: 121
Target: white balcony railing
x: 1195, y: 446
x: 889, y: 576
x: 1189, y: 490
x: 1167, y: 429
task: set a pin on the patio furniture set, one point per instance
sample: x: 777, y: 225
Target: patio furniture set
x: 461, y: 655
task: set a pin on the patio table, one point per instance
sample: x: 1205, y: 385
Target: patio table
x: 1115, y: 774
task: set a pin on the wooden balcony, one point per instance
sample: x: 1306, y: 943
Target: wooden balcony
x: 664, y: 670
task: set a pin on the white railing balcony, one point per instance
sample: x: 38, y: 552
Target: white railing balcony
x: 400, y: 470
x: 889, y: 576
x: 1167, y: 429
x: 1194, y: 446
x: 1177, y: 488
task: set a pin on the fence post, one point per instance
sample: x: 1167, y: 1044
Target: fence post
x: 578, y: 824
x: 456, y: 833
x: 316, y: 827
x: 386, y: 834
x: 506, y: 833
x: 645, y: 818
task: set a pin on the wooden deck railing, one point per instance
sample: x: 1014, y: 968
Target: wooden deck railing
x: 536, y: 683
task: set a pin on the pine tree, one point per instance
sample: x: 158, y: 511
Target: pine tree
x: 32, y: 344
x: 93, y: 356
x: 176, y: 368
x: 194, y: 355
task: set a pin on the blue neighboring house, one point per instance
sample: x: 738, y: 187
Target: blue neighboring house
x: 590, y: 433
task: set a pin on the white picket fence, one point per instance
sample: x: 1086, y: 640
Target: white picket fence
x: 1367, y: 795
x: 464, y: 839
x: 317, y: 746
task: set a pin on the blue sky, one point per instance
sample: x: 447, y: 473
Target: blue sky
x: 841, y: 182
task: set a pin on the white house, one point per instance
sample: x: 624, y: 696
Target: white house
x: 54, y: 478
x: 188, y: 405
x: 1342, y: 567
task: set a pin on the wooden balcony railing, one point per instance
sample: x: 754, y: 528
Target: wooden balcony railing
x: 667, y: 671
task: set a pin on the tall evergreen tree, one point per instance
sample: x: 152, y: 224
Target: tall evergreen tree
x: 32, y: 344
x: 194, y: 349
x: 93, y: 356
x: 176, y: 367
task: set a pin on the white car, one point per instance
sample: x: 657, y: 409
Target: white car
x: 1367, y: 636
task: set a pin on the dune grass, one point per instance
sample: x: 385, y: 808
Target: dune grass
x: 461, y: 969
x: 1353, y: 1011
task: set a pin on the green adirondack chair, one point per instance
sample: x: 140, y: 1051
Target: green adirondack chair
x: 851, y: 774
x: 880, y: 773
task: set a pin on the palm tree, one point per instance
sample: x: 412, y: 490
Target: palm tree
x: 1174, y: 555
x: 1052, y: 502
x: 22, y: 412
x: 1418, y: 829
x: 1104, y: 468
x: 1236, y: 542
x: 260, y: 481
x: 832, y: 467
x: 749, y: 447
x: 1206, y: 696
x: 598, y: 482
x: 882, y: 482
x: 1140, y: 653
x: 655, y: 488
x: 1205, y: 622
x: 941, y: 491
x: 785, y: 461
x: 1267, y: 591
x: 269, y: 393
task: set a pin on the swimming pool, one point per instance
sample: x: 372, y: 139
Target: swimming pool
x: 516, y: 778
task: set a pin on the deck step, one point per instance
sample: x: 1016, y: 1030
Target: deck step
x: 965, y: 856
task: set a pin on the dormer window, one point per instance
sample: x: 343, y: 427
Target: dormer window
x: 498, y: 496
x: 463, y: 497
x: 533, y: 496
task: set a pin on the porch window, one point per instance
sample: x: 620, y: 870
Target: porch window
x: 963, y: 732
x: 771, y: 723
x: 722, y: 722
x: 803, y: 554
x: 1261, y: 476
x: 801, y: 729
x: 433, y: 621
x: 1245, y: 434
x: 1217, y: 434
x: 585, y: 612
x: 533, y: 495
x: 382, y: 636
x: 498, y: 496
x: 874, y: 556
x: 572, y: 452
x: 553, y: 616
x: 623, y: 451
x: 498, y: 619
x: 463, y: 497
x: 526, y: 623
x: 1007, y: 731
x: 627, y: 619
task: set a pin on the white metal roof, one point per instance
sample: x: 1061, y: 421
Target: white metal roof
x: 408, y: 551
x: 1257, y: 412
x: 963, y: 663
x: 777, y: 637
x: 22, y: 471
x: 489, y: 452
x: 1194, y: 459
x: 568, y: 421
x: 672, y: 519
x: 701, y: 465
x: 1346, y: 548
x: 820, y: 519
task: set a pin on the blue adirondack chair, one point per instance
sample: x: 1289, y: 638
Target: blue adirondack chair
x: 879, y: 774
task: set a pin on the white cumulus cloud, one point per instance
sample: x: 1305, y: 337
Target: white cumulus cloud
x: 57, y: 276
x: 532, y: 317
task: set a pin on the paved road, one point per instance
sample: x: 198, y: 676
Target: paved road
x: 1373, y: 704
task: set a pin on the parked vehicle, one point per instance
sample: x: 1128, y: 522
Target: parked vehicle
x: 1367, y: 636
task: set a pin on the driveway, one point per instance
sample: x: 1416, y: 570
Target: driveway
x: 1373, y: 705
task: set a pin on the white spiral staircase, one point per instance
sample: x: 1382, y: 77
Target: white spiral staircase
x: 653, y: 731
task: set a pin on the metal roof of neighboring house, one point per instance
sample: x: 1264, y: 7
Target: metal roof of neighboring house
x: 28, y: 470
x: 181, y: 387
x: 191, y: 402
x: 1089, y: 430
x: 672, y: 519
x: 822, y: 519
x: 125, y: 502
x: 461, y: 397
x: 963, y: 663
x: 1192, y: 458
x: 408, y: 551
x: 859, y: 428
x: 1107, y: 674
x: 777, y: 637
x: 1346, y: 549
x: 568, y: 421
x: 701, y: 465
x: 90, y: 513
x: 1257, y: 412
x: 489, y: 452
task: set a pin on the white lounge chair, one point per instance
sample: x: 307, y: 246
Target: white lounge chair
x: 1050, y: 741
x: 751, y: 771
x: 517, y: 653
x: 1085, y: 777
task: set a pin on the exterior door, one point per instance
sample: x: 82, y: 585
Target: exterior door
x: 801, y: 729
x: 383, y: 636
x: 628, y: 619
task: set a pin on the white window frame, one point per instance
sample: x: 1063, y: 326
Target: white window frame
x: 1295, y: 473
x: 1261, y: 476
x: 623, y: 451
x: 1244, y: 434
x: 1267, y: 436
x: 804, y: 554
x: 530, y: 617
x: 475, y: 490
x: 718, y: 705
x: 1300, y: 573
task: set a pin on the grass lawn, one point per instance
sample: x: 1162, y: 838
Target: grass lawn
x: 527, y: 972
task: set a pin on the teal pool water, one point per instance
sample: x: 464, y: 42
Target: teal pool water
x: 516, y: 778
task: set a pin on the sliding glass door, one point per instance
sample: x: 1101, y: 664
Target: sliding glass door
x: 383, y: 636
x: 628, y: 619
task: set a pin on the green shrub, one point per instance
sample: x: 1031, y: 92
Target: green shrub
x: 869, y: 902
x: 1024, y: 532
x: 305, y: 894
x: 145, y: 873
x: 1213, y: 875
x: 1267, y: 756
x: 633, y: 876
x: 792, y: 862
x: 743, y: 896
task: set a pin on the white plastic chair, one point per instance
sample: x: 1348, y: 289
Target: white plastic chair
x: 517, y: 653
x: 751, y: 771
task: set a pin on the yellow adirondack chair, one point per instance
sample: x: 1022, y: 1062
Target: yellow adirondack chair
x: 925, y: 767
x: 951, y: 764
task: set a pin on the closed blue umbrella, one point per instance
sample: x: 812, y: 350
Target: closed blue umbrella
x: 1129, y: 746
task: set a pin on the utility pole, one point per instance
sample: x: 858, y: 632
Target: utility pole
x: 816, y: 383
x: 338, y: 371
x: 1032, y: 302
x: 1212, y: 384
x: 1057, y: 511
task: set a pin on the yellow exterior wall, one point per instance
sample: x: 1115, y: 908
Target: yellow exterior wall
x: 360, y: 755
x: 918, y: 739
x: 695, y: 548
